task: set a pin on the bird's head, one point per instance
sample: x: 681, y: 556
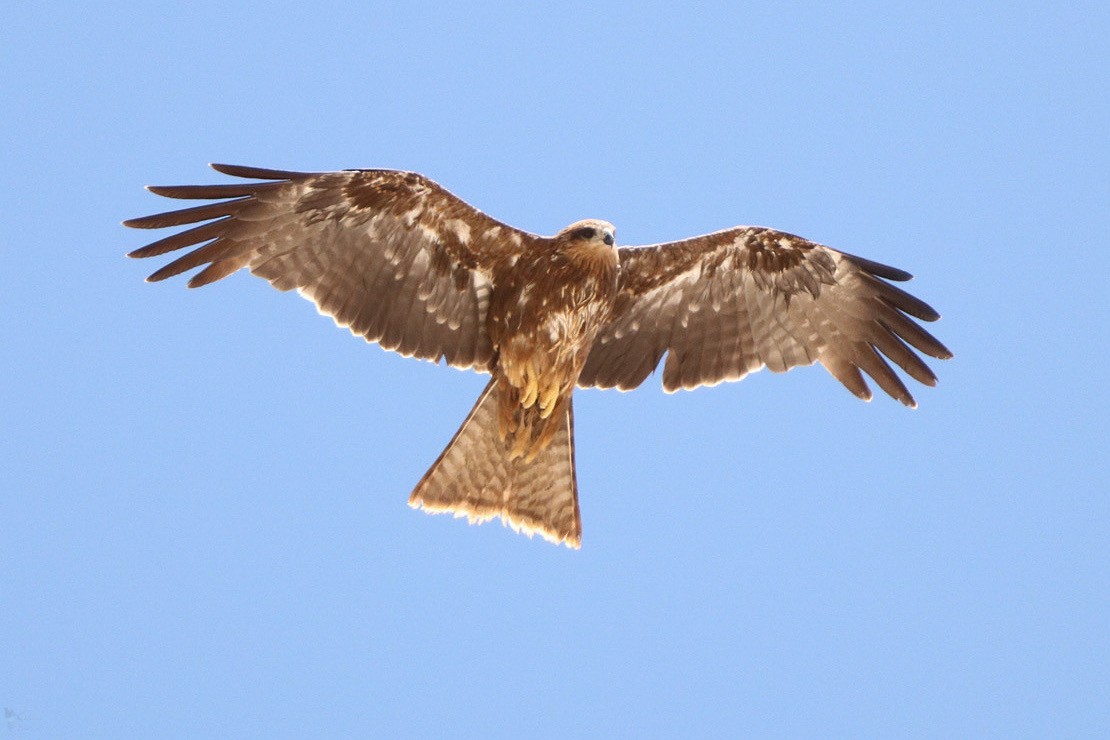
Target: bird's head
x: 589, y: 231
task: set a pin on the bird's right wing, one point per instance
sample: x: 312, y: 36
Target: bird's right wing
x: 390, y: 255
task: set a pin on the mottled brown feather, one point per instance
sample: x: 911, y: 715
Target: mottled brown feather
x: 723, y: 305
x: 391, y: 255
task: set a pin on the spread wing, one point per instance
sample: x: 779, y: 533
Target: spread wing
x: 390, y: 255
x: 726, y: 304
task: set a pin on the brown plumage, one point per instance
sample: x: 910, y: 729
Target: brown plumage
x: 400, y: 261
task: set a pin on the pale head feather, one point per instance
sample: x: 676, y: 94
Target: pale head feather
x: 600, y: 228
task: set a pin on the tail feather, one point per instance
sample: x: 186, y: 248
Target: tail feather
x: 477, y: 476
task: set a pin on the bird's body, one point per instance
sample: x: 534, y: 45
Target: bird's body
x: 402, y: 262
x: 545, y: 311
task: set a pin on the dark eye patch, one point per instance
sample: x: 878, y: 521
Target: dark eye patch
x: 586, y: 232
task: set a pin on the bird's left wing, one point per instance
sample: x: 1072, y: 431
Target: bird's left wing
x: 726, y: 304
x: 390, y: 255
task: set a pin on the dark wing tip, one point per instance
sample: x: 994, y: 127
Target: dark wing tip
x: 879, y: 269
x: 928, y: 313
x: 257, y: 173
x: 167, y: 191
x: 166, y: 271
x: 910, y: 304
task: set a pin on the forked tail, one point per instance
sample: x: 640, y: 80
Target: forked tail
x: 477, y: 477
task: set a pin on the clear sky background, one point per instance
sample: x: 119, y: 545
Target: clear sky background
x: 203, y: 519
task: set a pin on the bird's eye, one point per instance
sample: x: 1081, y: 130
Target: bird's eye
x: 586, y: 233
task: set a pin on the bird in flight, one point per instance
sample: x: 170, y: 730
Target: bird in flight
x: 400, y: 261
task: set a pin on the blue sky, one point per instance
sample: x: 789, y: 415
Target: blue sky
x: 204, y: 530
